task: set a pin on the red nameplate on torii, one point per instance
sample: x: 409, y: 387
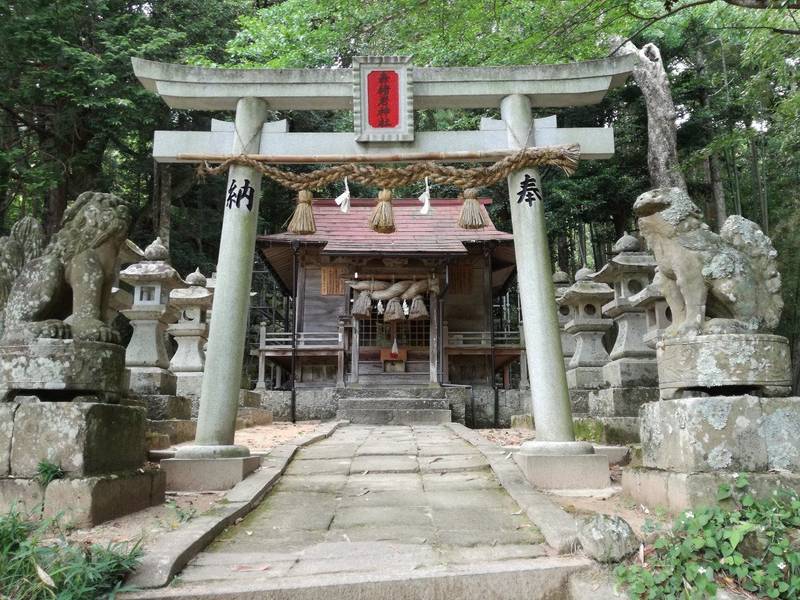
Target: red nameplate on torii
x: 383, y: 98
x: 383, y: 101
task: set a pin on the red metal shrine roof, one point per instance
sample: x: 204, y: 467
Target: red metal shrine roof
x: 436, y: 233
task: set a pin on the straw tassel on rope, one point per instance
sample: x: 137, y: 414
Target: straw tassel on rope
x: 471, y: 216
x: 303, y: 218
x: 362, y: 307
x: 382, y: 219
x: 418, y: 309
x: 393, y: 311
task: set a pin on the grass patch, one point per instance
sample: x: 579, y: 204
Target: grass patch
x: 47, y: 472
x: 748, y: 544
x: 38, y: 563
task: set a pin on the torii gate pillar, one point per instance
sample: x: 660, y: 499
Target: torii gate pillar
x: 554, y: 459
x: 219, y: 396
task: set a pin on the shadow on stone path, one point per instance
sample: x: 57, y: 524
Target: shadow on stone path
x: 374, y: 502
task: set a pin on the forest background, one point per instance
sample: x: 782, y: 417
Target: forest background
x: 74, y: 118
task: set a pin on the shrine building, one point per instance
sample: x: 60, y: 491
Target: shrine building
x: 394, y: 343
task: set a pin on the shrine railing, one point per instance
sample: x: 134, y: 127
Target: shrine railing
x: 304, y: 339
x: 482, y: 338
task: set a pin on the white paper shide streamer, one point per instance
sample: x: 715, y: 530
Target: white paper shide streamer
x: 343, y: 199
x: 425, y: 198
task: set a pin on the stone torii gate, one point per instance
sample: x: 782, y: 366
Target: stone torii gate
x: 383, y: 108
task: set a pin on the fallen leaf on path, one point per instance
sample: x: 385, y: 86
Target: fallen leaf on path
x: 249, y: 568
x: 249, y: 532
x: 46, y: 579
x: 519, y: 512
x: 435, y: 459
x: 362, y: 492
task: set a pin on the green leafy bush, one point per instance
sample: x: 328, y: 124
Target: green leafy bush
x: 749, y: 543
x: 35, y: 564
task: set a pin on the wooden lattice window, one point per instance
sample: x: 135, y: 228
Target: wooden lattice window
x: 461, y: 278
x: 332, y: 282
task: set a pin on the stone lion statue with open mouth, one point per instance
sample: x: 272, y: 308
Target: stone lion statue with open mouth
x: 713, y: 283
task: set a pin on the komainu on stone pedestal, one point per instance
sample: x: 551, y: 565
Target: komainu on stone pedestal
x: 62, y: 293
x: 721, y: 373
x: 723, y: 291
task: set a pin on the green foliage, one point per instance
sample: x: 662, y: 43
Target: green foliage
x: 183, y: 515
x: 35, y: 566
x: 745, y: 544
x: 47, y: 472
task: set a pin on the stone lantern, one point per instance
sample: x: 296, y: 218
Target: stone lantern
x: 585, y: 299
x: 629, y: 271
x: 191, y: 334
x: 146, y: 357
x: 656, y: 310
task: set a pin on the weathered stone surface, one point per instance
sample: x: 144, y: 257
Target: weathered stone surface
x: 189, y: 384
x: 608, y: 430
x: 82, y: 438
x: 163, y: 406
x: 522, y: 422
x: 730, y: 278
x: 23, y: 494
x: 152, y: 381
x: 680, y: 491
x: 252, y: 417
x: 751, y: 361
x: 620, y: 402
x: 77, y: 268
x: 249, y: 399
x: 61, y: 369
x: 607, y: 538
x: 7, y: 411
x: 584, y: 378
x: 178, y: 430
x: 738, y: 433
x: 631, y: 372
x: 85, y: 502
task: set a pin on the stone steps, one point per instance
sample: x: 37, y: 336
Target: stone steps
x: 395, y: 391
x: 395, y: 416
x: 545, y: 578
x: 393, y: 403
x: 386, y: 379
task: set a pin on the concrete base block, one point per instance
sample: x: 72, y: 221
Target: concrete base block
x: 251, y: 417
x: 152, y: 380
x: 25, y: 495
x: 204, y: 474
x: 676, y: 492
x: 590, y: 378
x: 522, y: 422
x: 85, y: 502
x: 565, y: 472
x: 620, y: 401
x: 631, y: 372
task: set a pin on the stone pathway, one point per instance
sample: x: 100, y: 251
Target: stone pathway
x: 373, y: 502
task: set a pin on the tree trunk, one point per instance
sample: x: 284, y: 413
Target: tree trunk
x: 759, y: 198
x: 165, y: 203
x: 717, y: 191
x: 662, y: 148
x: 563, y: 253
x: 56, y: 205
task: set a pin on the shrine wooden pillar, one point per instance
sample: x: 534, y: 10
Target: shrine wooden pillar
x: 355, y: 347
x: 434, y: 349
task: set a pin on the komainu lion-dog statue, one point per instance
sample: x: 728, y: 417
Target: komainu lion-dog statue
x: 713, y: 283
x: 63, y: 291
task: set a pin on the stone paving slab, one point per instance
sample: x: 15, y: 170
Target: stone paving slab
x: 343, y: 516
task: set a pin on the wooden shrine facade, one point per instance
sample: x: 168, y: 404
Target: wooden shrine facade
x: 454, y: 344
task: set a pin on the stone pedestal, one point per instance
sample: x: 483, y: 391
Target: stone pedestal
x: 724, y: 363
x: 62, y: 370
x: 100, y: 448
x: 563, y: 465
x: 205, y: 474
x: 690, y: 446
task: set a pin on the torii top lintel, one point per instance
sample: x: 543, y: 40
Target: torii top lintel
x: 201, y: 88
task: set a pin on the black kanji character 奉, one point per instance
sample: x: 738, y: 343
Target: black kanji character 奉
x: 528, y: 191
